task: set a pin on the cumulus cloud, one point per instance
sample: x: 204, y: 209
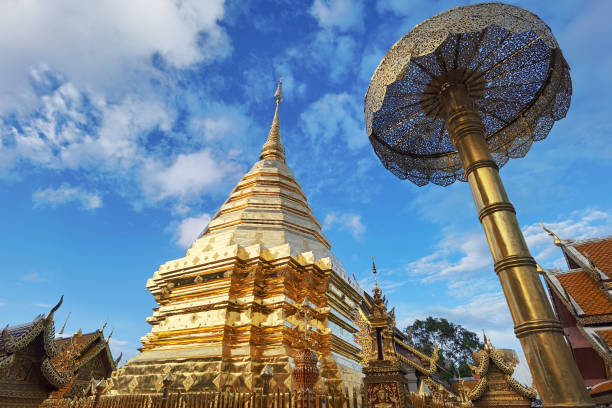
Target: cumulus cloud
x: 73, y: 128
x: 345, y: 221
x: 341, y: 14
x: 127, y: 140
x: 98, y: 43
x: 189, y: 175
x: 333, y: 53
x: 64, y: 194
x: 190, y: 229
x: 335, y: 116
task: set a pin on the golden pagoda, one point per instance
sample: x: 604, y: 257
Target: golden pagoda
x: 232, y: 305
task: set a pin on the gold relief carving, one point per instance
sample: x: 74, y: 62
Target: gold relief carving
x: 384, y: 395
x: 188, y: 382
x: 133, y: 384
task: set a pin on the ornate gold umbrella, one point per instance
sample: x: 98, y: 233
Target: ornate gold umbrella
x: 453, y: 100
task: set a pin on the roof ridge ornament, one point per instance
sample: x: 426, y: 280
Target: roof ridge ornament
x: 273, y: 148
x: 557, y: 241
x: 61, y: 331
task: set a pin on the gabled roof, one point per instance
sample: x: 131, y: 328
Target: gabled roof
x: 584, y: 288
x: 600, y: 252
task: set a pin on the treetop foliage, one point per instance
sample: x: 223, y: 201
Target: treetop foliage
x: 455, y: 343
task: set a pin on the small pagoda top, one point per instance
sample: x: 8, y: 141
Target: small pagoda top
x: 495, y: 386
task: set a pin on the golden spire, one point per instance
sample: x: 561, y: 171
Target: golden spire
x: 273, y: 148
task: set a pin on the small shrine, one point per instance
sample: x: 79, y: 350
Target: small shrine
x: 393, y: 369
x: 495, y: 386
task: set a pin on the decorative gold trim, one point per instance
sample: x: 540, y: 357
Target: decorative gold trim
x: 495, y: 207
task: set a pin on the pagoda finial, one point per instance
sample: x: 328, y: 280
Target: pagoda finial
x: 552, y: 234
x: 374, y: 272
x: 278, y: 95
x: 273, y: 148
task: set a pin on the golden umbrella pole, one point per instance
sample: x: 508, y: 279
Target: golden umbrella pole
x: 541, y: 335
x: 454, y: 99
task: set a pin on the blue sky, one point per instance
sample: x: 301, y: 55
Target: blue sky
x: 124, y: 126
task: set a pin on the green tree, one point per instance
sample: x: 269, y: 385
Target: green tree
x: 455, y: 343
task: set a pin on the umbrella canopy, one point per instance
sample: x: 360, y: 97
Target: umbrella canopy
x: 511, y: 65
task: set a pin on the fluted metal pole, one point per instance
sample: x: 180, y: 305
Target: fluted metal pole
x: 550, y: 360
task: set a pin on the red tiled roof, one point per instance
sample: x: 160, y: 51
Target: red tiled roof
x: 607, y: 336
x: 601, y: 254
x: 586, y: 292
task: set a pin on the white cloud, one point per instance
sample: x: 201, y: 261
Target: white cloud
x: 341, y: 14
x: 82, y: 131
x: 43, y: 305
x: 101, y: 43
x: 190, y: 229
x: 335, y: 116
x: 66, y: 194
x: 334, y: 53
x: 31, y: 277
x: 346, y: 221
x: 189, y: 175
x: 456, y: 259
x: 77, y: 129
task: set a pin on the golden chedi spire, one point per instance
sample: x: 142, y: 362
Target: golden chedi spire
x: 273, y: 148
x: 264, y: 246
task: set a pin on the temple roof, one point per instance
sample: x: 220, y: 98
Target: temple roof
x: 585, y: 286
x: 584, y: 289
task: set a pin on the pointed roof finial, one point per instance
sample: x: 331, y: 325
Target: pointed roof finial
x: 109, y: 336
x: 552, y: 234
x: 374, y: 272
x: 273, y: 148
x: 61, y: 331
